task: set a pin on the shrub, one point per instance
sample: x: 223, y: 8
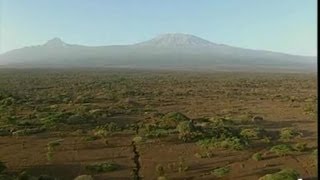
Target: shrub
x: 51, y: 145
x: 257, y: 156
x: 51, y: 119
x: 227, y: 143
x: 29, y: 131
x: 233, y: 143
x: 186, y: 130
x: 182, y: 167
x: 7, y: 101
x: 282, y: 149
x: 300, y: 147
x: 102, y: 167
x: 221, y: 171
x: 266, y: 139
x: 222, y: 121
x: 222, y: 132
x: 204, y: 155
x: 155, y: 133
x: 255, y: 133
x: 171, y: 120
x: 285, y: 174
x: 289, y: 133
x: 137, y: 139
x: 105, y: 130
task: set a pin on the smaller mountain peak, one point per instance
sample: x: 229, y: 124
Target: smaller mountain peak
x: 55, y: 42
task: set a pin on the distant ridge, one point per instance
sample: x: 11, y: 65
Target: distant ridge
x: 171, y: 50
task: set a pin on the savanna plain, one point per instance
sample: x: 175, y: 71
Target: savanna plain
x: 143, y: 124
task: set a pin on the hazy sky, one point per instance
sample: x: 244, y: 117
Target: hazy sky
x: 279, y: 25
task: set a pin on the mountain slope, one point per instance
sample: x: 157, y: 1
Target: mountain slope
x: 165, y: 51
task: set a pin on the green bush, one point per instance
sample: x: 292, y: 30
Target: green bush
x: 221, y: 171
x: 257, y: 156
x: 233, y: 143
x: 224, y: 143
x: 300, y: 147
x: 186, y: 130
x: 254, y: 133
x: 182, y: 166
x: 204, y: 155
x: 222, y: 132
x: 155, y: 133
x: 53, y: 118
x: 51, y: 145
x: 105, y: 130
x: 171, y: 120
x: 222, y: 121
x: 288, y: 133
x: 282, y: 149
x: 8, y: 101
x: 30, y: 131
x: 285, y: 174
x: 102, y: 167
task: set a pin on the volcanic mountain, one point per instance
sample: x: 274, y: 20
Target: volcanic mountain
x: 167, y: 51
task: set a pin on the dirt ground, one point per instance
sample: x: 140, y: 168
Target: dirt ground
x: 283, y: 100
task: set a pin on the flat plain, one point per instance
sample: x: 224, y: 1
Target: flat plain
x: 133, y: 124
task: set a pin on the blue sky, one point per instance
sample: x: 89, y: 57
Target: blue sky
x: 279, y: 25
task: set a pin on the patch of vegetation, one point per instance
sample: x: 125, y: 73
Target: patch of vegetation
x: 257, y: 156
x: 106, y: 130
x: 282, y: 149
x: 186, y: 131
x: 172, y: 119
x: 30, y: 131
x: 221, y: 171
x: 285, y: 174
x: 203, y: 155
x: 137, y: 139
x: 224, y: 143
x: 153, y: 131
x: 289, y: 133
x: 253, y: 133
x: 51, y: 119
x: 182, y: 166
x: 102, y: 167
x: 300, y: 147
x: 222, y: 121
x: 51, y: 148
